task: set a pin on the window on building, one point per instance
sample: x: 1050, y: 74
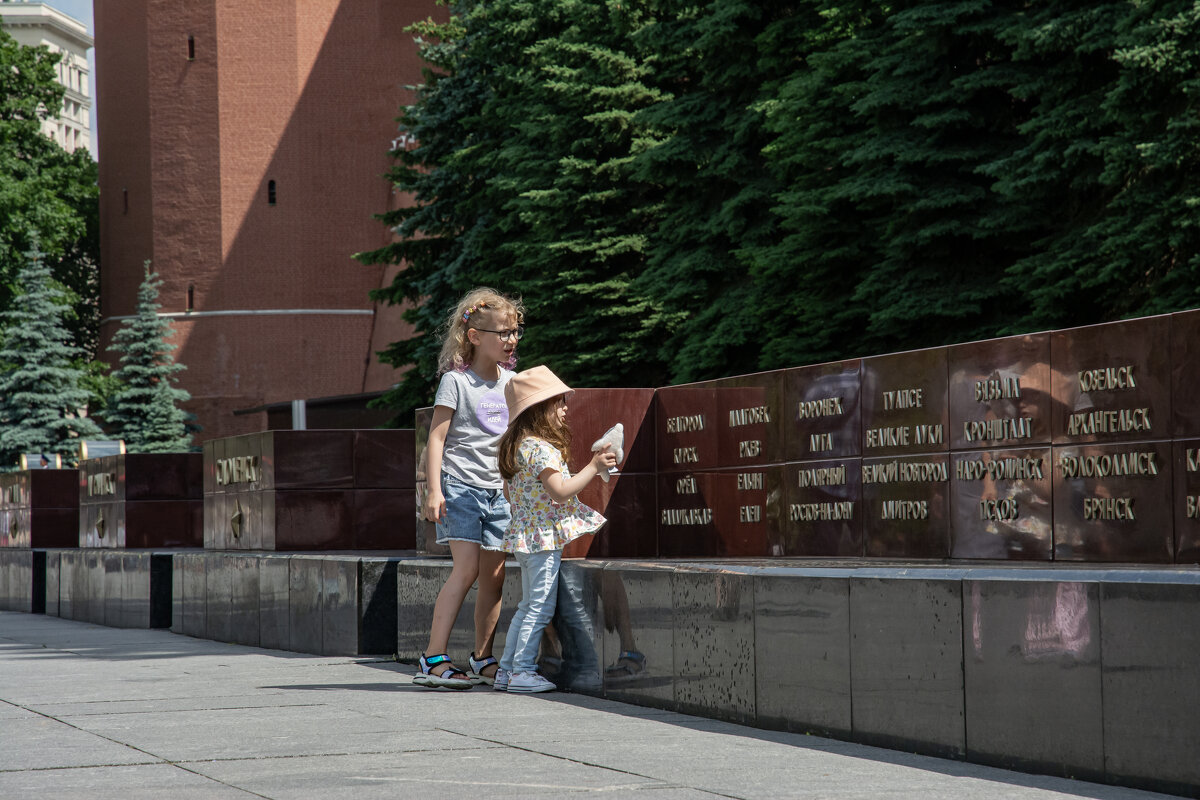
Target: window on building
x: 191, y: 48
x: 191, y: 296
x: 270, y: 193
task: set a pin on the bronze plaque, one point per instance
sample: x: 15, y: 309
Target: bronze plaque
x: 1112, y: 382
x: 906, y: 506
x: 1185, y: 373
x: 590, y: 414
x: 1000, y: 392
x: 1187, y: 501
x: 904, y: 403
x: 822, y: 411
x: 1113, y: 503
x: 823, y: 508
x: 686, y: 427
x: 1001, y: 504
x: 749, y: 417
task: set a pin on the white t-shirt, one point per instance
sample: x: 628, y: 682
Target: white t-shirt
x: 480, y: 417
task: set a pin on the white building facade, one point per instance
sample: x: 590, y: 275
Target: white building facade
x: 34, y: 24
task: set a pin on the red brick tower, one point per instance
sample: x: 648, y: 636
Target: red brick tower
x: 242, y: 144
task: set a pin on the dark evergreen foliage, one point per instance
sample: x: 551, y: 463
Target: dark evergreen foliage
x: 145, y: 409
x: 688, y: 190
x: 40, y: 397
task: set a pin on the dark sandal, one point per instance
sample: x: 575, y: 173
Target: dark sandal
x: 478, y: 665
x: 446, y: 680
x: 619, y: 672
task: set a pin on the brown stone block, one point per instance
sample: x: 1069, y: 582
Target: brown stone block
x: 1001, y: 505
x: 52, y: 527
x: 906, y: 506
x: 823, y: 508
x: 384, y: 519
x: 628, y: 502
x: 1187, y: 501
x: 209, y: 456
x: 905, y: 407
x: 1000, y: 392
x: 750, y: 419
x: 720, y: 513
x: 687, y: 503
x: 308, y: 459
x: 161, y: 476
x: 163, y: 523
x: 591, y: 412
x: 1185, y: 373
x: 822, y: 413
x: 383, y: 459
x: 1113, y: 503
x: 1112, y: 382
x: 318, y: 519
x: 686, y: 427
x: 422, y: 418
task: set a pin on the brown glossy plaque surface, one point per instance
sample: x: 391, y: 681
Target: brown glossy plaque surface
x: 686, y: 427
x: 39, y: 508
x: 591, y: 412
x: 1111, y: 382
x: 1000, y: 504
x: 1000, y: 392
x: 749, y: 419
x: 822, y: 513
x: 687, y: 514
x: 1185, y: 373
x: 1187, y: 501
x: 384, y: 459
x: 629, y: 503
x: 904, y: 403
x: 906, y: 506
x: 1113, y: 503
x: 139, y: 500
x: 822, y: 411
x: 720, y: 513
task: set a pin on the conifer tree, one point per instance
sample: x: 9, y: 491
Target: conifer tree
x: 145, y: 410
x: 41, y: 401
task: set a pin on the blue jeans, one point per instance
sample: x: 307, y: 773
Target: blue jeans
x: 539, y: 592
x: 473, y: 514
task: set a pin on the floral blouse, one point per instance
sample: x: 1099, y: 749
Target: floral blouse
x: 539, y: 523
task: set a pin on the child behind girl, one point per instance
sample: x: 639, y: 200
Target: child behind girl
x: 546, y: 514
x: 466, y: 497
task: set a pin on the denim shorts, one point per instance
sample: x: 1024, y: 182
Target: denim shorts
x: 473, y: 514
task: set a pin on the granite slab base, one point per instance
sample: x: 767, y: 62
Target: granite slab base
x: 327, y: 604
x: 117, y: 588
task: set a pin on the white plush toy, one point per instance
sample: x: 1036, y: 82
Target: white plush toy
x: 614, y: 436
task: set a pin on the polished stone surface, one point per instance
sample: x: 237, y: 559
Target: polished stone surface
x: 16, y: 580
x: 905, y: 406
x: 1001, y: 505
x: 377, y: 627
x: 190, y: 574
x: 1115, y: 367
x: 1038, y: 641
x: 637, y: 616
x: 821, y: 508
x: 1150, y: 646
x: 591, y: 412
x: 721, y: 513
x: 417, y: 585
x: 383, y: 459
x: 218, y: 598
x: 304, y: 604
x: 1185, y: 373
x: 999, y: 392
x: 906, y: 506
x: 274, y: 597
x: 383, y: 519
x: 339, y: 606
x: 687, y: 514
x: 1187, y: 501
x: 750, y: 419
x: 244, y: 598
x: 686, y: 428
x: 629, y: 501
x: 1119, y: 517
x: 713, y: 638
x: 53, y: 580
x: 802, y: 654
x: 906, y: 664
x: 39, y: 508
x: 822, y: 411
x: 572, y: 645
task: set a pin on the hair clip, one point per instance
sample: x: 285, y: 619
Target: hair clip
x: 471, y: 310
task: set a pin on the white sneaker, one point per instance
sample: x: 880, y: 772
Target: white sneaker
x: 528, y: 683
x: 502, y: 679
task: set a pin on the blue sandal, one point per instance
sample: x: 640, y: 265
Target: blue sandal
x: 446, y: 680
x: 478, y: 665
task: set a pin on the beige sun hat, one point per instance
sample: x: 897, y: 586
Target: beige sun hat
x: 526, y: 389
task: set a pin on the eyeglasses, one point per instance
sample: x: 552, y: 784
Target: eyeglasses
x: 512, y: 333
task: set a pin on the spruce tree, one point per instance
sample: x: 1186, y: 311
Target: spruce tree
x: 145, y: 411
x: 40, y: 397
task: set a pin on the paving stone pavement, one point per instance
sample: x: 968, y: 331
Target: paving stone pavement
x: 93, y: 712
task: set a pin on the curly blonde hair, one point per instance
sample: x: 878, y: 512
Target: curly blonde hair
x: 457, y: 350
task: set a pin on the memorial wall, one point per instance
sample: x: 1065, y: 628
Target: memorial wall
x: 1078, y: 445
